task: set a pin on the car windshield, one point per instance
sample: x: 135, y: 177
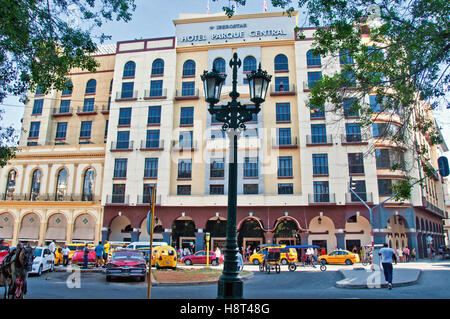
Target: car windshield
x: 37, y: 252
x: 127, y: 255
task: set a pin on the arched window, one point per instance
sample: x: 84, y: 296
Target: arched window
x: 189, y: 68
x: 281, y: 63
x: 61, y: 185
x: 249, y: 64
x: 91, y: 86
x: 35, y: 185
x: 68, y: 88
x: 11, y: 184
x: 158, y: 67
x: 129, y: 69
x: 312, y: 59
x: 88, y: 185
x: 219, y: 65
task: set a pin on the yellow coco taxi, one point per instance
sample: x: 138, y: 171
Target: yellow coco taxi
x: 165, y: 257
x: 339, y: 257
x: 58, y: 256
x: 287, y: 255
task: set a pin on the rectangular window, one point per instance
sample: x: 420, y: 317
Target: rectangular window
x: 34, y: 129
x: 156, y: 88
x: 106, y: 128
x: 184, y: 190
x: 64, y: 107
x: 321, y: 192
x: 313, y: 77
x: 284, y: 136
x: 284, y: 189
x: 353, y: 132
x: 123, y: 140
x: 349, y: 78
x: 151, y: 168
x: 359, y: 187
x: 217, y: 168
x: 188, y: 89
x: 320, y: 164
x: 317, y: 113
x: 283, y: 111
x: 251, y: 132
x: 152, y: 139
x: 185, y: 168
x: 251, y: 189
x: 61, y: 130
x: 127, y: 90
x: 187, y: 116
x: 125, y: 116
x: 88, y: 105
x: 355, y: 163
x: 37, y: 107
x: 251, y: 167
x: 154, y: 115
x: 374, y: 103
x: 318, y: 133
x: 384, y: 187
x: 281, y: 84
x: 216, y: 190
x: 120, y: 167
x: 285, y: 166
x: 85, y: 131
x: 185, y: 139
x: 32, y: 143
x: 147, y: 193
x: 217, y: 134
x: 118, y: 195
x: 350, y: 108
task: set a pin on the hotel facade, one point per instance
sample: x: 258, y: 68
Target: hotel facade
x: 154, y: 130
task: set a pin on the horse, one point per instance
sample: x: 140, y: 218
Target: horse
x: 5, y: 279
x: 21, y: 263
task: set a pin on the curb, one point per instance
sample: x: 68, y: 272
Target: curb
x: 384, y: 285
x: 198, y: 283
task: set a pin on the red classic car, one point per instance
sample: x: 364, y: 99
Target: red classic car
x: 3, y: 254
x: 78, y: 257
x: 126, y: 263
x: 200, y: 258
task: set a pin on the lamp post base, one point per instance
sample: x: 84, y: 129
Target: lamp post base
x: 230, y: 288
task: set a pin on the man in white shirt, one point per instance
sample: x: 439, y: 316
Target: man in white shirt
x: 387, y: 257
x: 65, y: 251
x: 310, y: 253
x: 52, y: 246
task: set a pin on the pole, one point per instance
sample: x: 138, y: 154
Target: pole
x: 152, y: 207
x: 207, y: 250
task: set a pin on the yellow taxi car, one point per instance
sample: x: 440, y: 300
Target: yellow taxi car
x: 165, y: 257
x: 339, y: 257
x: 287, y: 255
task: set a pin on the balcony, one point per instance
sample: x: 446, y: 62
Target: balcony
x: 280, y: 90
x: 145, y: 200
x: 351, y: 198
x: 155, y: 94
x: 87, y: 111
x: 48, y: 197
x: 354, y: 139
x: 58, y: 112
x: 281, y: 143
x: 126, y: 96
x: 176, y: 147
x: 322, y: 198
x: 191, y: 94
x: 432, y: 208
x: 105, y: 109
x: 117, y: 199
x: 319, y: 140
x: 122, y: 146
x: 152, y: 145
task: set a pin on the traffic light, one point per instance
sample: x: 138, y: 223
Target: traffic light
x: 443, y: 166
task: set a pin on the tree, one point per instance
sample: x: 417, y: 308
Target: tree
x: 397, y: 51
x: 42, y: 40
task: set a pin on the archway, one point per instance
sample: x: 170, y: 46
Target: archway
x: 286, y: 232
x: 250, y: 234
x: 322, y: 233
x: 183, y: 233
x: 357, y: 232
x: 56, y: 228
x: 157, y: 230
x: 217, y: 227
x: 6, y: 227
x: 397, y: 232
x: 84, y: 228
x: 29, y: 228
x: 120, y: 229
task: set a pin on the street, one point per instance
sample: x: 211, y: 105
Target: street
x: 304, y: 283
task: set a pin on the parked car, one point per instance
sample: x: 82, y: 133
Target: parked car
x: 43, y: 260
x: 339, y: 257
x: 126, y: 263
x: 78, y: 257
x: 75, y: 247
x: 165, y: 257
x: 200, y: 258
x: 145, y: 244
x: 286, y: 255
x: 3, y: 254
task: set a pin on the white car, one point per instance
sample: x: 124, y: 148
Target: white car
x: 43, y: 260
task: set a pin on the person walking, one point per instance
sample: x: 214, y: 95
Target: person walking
x: 400, y: 254
x: 99, y: 251
x: 240, y: 261
x: 65, y: 252
x: 106, y: 247
x: 85, y: 256
x: 406, y: 253
x: 387, y: 257
x: 219, y: 254
x: 413, y: 254
x: 52, y: 247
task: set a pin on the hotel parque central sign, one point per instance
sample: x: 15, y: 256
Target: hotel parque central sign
x: 252, y: 30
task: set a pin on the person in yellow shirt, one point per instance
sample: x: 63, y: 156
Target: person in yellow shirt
x: 106, y: 248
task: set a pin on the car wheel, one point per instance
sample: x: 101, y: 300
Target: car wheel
x: 188, y: 262
x: 348, y: 262
x: 40, y: 270
x: 255, y: 262
x: 284, y: 261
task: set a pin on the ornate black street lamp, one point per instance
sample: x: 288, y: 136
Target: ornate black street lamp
x: 233, y: 115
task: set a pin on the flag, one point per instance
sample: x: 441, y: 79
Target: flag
x: 265, y: 5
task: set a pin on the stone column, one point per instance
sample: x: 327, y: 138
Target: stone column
x: 135, y: 235
x: 105, y: 234
x: 304, y: 238
x: 42, y: 229
x: 69, y: 232
x: 199, y: 240
x: 15, y: 238
x: 412, y: 240
x: 340, y: 239
x: 167, y: 234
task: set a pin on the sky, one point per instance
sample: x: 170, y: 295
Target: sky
x: 153, y: 19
